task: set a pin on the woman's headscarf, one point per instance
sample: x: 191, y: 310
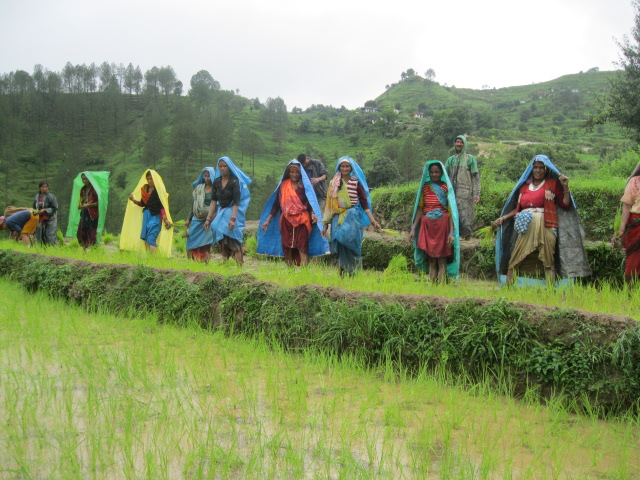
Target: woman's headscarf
x: 212, y: 173
x: 270, y: 242
x: 419, y: 256
x: 198, y: 207
x: 234, y: 170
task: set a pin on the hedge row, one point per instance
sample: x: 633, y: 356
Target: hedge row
x: 597, y: 201
x: 594, y: 360
x: 478, y: 261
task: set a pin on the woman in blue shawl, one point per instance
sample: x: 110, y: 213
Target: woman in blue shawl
x: 229, y: 201
x: 542, y: 237
x: 348, y: 210
x: 295, y: 233
x: 199, y: 240
x: 435, y: 227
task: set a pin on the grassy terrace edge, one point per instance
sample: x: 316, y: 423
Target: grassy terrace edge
x: 593, y: 360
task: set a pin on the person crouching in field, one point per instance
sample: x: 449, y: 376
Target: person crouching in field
x: 21, y: 223
x: 295, y: 234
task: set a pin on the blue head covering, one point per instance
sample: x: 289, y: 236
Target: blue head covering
x: 221, y: 222
x: 270, y: 242
x: 235, y: 171
x: 200, y: 179
x: 552, y: 172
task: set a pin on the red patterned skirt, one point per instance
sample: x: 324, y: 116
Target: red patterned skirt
x: 632, y: 246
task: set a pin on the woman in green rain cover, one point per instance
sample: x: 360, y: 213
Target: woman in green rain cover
x: 88, y: 209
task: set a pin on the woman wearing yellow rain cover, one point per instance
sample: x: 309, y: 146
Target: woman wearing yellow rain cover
x: 142, y: 228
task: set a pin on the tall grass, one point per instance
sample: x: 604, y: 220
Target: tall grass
x: 96, y: 396
x: 601, y: 298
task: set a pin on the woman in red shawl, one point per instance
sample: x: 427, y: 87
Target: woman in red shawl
x: 296, y: 217
x: 630, y: 226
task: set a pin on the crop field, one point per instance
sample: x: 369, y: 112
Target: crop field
x: 97, y: 396
x: 601, y: 298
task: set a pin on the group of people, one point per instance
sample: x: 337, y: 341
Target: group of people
x: 539, y: 229
x: 39, y: 223
x: 295, y: 220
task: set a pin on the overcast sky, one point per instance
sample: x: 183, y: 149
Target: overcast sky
x: 333, y: 52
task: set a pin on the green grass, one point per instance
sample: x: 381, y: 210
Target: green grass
x: 602, y: 298
x: 96, y: 396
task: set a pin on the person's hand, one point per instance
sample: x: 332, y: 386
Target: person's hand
x: 451, y: 239
x: 42, y: 211
x: 324, y: 230
x: 265, y: 225
x: 564, y: 181
x: 314, y: 219
x: 314, y: 181
x: 476, y: 199
x: 412, y: 234
x: 497, y: 222
x: 207, y: 224
x: 131, y: 197
x: 232, y: 225
x: 167, y: 224
x: 376, y: 226
x: 616, y: 240
x: 187, y: 222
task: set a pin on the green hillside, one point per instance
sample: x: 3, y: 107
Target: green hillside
x: 54, y: 125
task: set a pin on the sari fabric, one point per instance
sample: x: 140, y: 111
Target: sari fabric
x: 347, y: 216
x: 88, y: 225
x: 433, y: 244
x: 100, y: 183
x: 570, y: 259
x: 271, y: 241
x: 631, y: 197
x: 200, y: 240
x: 139, y: 223
x: 220, y: 224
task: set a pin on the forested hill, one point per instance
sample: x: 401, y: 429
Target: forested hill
x: 54, y: 125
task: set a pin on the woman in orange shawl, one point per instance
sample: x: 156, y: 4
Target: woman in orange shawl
x: 296, y: 218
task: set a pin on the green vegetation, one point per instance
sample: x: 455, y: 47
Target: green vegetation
x: 110, y: 117
x: 96, y: 396
x: 565, y: 352
x: 622, y: 103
